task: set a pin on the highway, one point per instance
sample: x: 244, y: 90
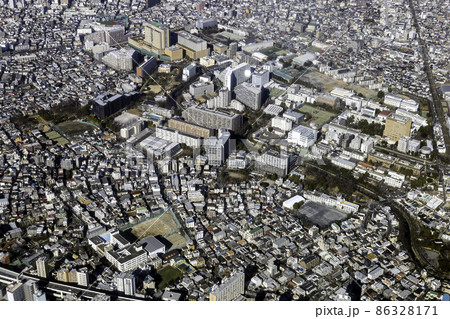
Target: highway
x: 59, y: 289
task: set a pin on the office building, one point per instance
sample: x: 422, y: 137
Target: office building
x: 174, y: 52
x: 42, y: 267
x: 105, y: 105
x: 220, y: 48
x: 396, y: 127
x: 189, y: 72
x: 302, y: 136
x: 29, y: 288
x: 213, y: 119
x: 232, y: 49
x: 15, y: 292
x: 121, y: 60
x: 217, y: 148
x: 175, y: 136
x: 237, y: 75
x: 156, y: 35
x: 146, y: 67
x: 249, y: 95
x: 126, y: 284
x: 190, y: 128
x: 230, y: 289
x: 194, y: 46
x: 201, y: 88
x: 205, y: 23
x: 274, y: 162
x: 260, y: 77
x: 224, y: 97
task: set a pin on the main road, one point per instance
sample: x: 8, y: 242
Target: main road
x: 60, y: 289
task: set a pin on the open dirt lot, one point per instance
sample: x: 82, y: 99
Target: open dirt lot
x: 163, y: 225
x: 322, y: 81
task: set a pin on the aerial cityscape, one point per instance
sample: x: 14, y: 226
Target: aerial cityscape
x: 232, y: 150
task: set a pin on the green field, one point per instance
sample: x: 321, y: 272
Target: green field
x: 319, y: 117
x: 276, y: 93
x: 275, y: 50
x: 73, y: 128
x: 168, y: 275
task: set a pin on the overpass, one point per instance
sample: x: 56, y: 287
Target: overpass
x: 59, y: 289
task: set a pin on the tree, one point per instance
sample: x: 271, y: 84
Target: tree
x: 380, y: 94
x: 298, y: 205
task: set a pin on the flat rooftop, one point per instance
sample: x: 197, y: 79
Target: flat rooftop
x: 320, y: 215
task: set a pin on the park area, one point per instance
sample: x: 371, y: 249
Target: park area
x: 318, y: 116
x: 168, y: 275
x: 162, y: 225
x: 73, y: 128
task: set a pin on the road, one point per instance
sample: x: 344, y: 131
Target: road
x: 52, y: 287
x: 436, y: 105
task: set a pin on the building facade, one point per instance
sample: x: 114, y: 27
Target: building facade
x: 230, y: 289
x: 396, y: 127
x: 213, y: 119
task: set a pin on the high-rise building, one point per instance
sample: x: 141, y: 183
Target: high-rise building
x: 230, y: 289
x: 274, y: 162
x: 396, y: 127
x: 83, y: 277
x: 237, y: 75
x: 156, y: 35
x: 42, y: 267
x: 217, y: 148
x: 146, y: 67
x: 232, y: 49
x: 123, y: 59
x: 15, y: 292
x: 29, y: 288
x: 260, y: 77
x: 224, y: 97
x: 403, y: 144
x: 249, y: 95
x: 126, y: 283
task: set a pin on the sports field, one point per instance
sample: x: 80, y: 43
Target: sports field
x: 322, y: 81
x: 319, y: 117
x: 163, y: 225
